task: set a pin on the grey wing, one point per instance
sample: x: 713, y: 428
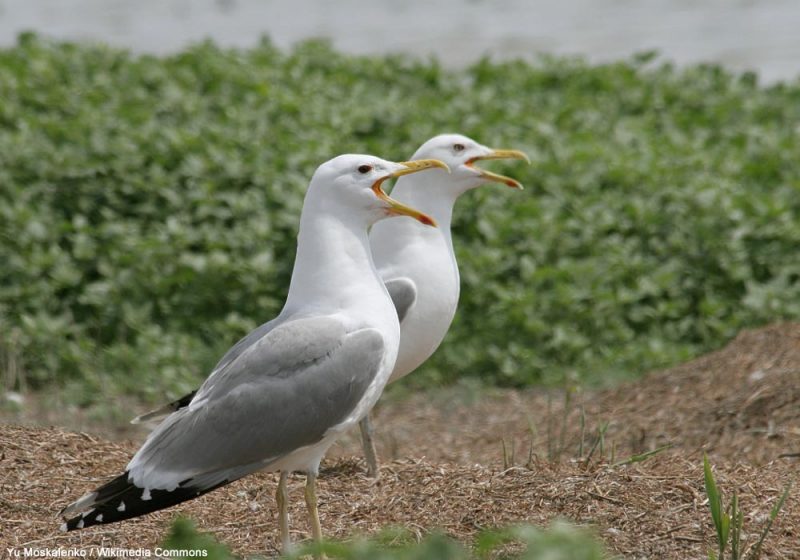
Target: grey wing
x: 285, y: 392
x: 403, y: 293
x: 246, y: 341
x: 234, y: 352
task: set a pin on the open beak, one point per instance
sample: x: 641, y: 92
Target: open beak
x: 499, y: 154
x: 397, y: 208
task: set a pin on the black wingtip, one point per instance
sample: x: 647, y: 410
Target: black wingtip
x: 166, y: 410
x: 120, y: 499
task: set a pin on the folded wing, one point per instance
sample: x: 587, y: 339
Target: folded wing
x: 283, y: 392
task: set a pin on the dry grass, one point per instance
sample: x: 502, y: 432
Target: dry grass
x: 741, y: 403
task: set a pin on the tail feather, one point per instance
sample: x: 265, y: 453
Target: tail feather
x: 166, y: 410
x: 120, y: 499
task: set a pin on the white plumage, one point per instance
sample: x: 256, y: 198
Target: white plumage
x: 424, y: 257
x: 281, y: 396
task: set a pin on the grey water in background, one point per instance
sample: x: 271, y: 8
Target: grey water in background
x: 761, y: 35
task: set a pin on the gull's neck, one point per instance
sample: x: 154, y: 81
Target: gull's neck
x: 402, y: 244
x: 333, y: 269
x: 424, y: 194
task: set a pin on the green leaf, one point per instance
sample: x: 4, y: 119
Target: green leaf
x: 720, y: 518
x: 184, y: 538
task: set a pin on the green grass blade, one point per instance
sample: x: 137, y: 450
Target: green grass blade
x: 721, y: 520
x: 641, y: 456
x: 735, y: 516
x: 755, y: 552
x: 601, y: 432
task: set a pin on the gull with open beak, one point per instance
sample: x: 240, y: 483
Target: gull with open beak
x: 283, y: 394
x: 418, y: 264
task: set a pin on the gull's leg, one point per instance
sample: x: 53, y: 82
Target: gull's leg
x: 311, y: 505
x: 369, y: 447
x: 283, y: 513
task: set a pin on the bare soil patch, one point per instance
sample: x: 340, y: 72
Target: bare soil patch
x: 445, y: 466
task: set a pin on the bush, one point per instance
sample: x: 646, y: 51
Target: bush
x: 148, y: 206
x: 560, y: 541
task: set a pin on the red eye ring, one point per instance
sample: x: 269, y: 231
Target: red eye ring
x: 364, y: 168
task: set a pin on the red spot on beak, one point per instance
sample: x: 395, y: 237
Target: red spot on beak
x: 427, y: 220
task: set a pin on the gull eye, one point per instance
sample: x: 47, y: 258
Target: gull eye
x: 364, y: 168
x: 459, y: 147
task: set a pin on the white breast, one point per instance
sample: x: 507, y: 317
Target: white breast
x: 424, y: 255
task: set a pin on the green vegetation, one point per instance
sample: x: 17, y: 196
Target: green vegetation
x: 728, y: 521
x: 560, y: 541
x: 148, y: 207
x: 183, y: 535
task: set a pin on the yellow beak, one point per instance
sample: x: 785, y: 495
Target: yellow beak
x: 499, y: 154
x: 397, y: 208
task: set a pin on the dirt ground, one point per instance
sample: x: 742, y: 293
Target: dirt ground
x: 461, y: 462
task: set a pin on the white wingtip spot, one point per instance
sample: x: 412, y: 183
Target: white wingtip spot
x: 63, y: 528
x: 146, y: 495
x: 80, y: 524
x: 99, y: 518
x: 121, y: 506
